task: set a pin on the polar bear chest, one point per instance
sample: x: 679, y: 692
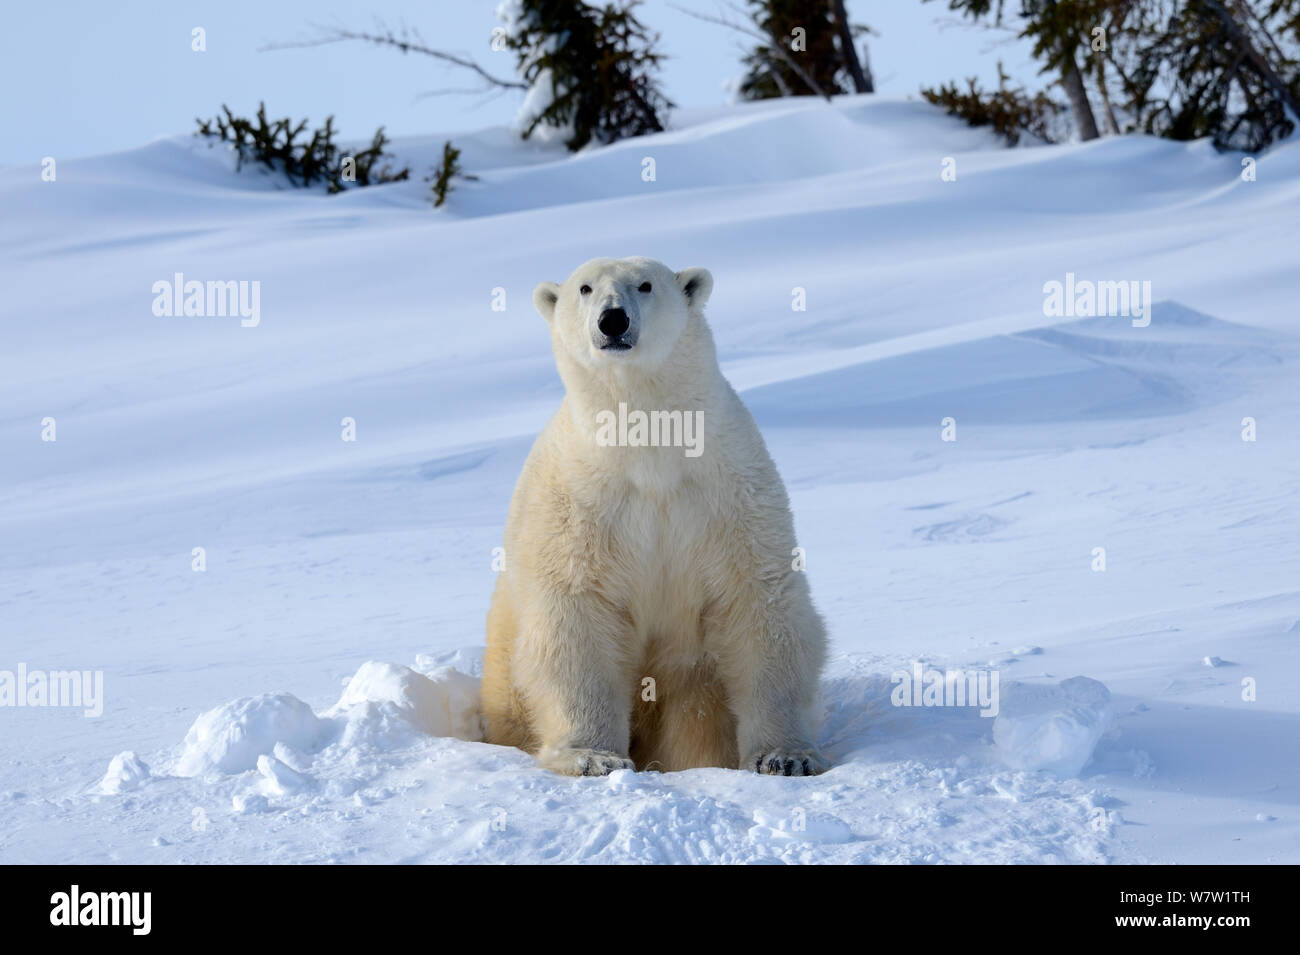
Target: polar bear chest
x: 671, y: 554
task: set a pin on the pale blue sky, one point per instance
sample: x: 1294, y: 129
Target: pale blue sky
x: 87, y: 76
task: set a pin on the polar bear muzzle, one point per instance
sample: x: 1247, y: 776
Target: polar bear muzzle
x: 614, y: 331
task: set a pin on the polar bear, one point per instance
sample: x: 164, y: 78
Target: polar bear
x: 649, y: 614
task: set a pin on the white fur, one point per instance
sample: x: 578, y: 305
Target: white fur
x: 627, y: 563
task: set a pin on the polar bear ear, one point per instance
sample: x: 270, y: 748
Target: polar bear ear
x: 696, y: 284
x: 544, y: 298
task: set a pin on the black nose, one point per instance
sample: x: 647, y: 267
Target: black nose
x: 613, y: 322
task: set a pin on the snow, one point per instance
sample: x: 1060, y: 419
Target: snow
x: 445, y: 703
x: 233, y: 738
x: 1052, y: 728
x: 126, y: 771
x: 310, y: 695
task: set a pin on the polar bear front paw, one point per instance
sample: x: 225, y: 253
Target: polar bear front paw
x: 804, y: 762
x: 584, y: 762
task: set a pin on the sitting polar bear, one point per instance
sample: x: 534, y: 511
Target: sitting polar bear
x: 649, y: 615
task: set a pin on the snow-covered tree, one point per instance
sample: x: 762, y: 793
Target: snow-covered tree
x: 590, y: 70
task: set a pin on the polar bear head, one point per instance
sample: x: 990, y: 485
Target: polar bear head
x: 628, y: 312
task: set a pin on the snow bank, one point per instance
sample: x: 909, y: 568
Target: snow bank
x: 444, y: 703
x: 1053, y: 728
x: 230, y: 738
x: 126, y: 772
x: 383, y: 707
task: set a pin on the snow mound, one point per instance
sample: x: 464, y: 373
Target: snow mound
x: 905, y: 787
x: 384, y: 707
x: 835, y: 139
x: 444, y: 703
x: 230, y: 738
x: 1052, y: 728
x: 126, y: 772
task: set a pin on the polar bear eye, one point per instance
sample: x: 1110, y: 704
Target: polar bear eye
x: 585, y: 290
x: 643, y: 287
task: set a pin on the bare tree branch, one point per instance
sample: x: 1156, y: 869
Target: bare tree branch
x: 777, y: 78
x: 404, y: 43
x: 754, y: 32
x: 454, y: 91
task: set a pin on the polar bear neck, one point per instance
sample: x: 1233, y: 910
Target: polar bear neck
x: 688, y: 383
x: 688, y: 380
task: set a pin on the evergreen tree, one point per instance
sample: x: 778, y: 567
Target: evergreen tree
x: 443, y: 174
x: 275, y: 144
x: 590, y: 70
x: 1009, y: 110
x: 846, y: 35
x: 1228, y: 69
x: 1058, y: 29
x: 808, y: 51
x: 804, y: 29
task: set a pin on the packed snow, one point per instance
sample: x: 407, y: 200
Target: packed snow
x: 1053, y: 728
x: 290, y: 624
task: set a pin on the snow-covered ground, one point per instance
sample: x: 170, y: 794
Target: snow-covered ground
x: 228, y: 734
